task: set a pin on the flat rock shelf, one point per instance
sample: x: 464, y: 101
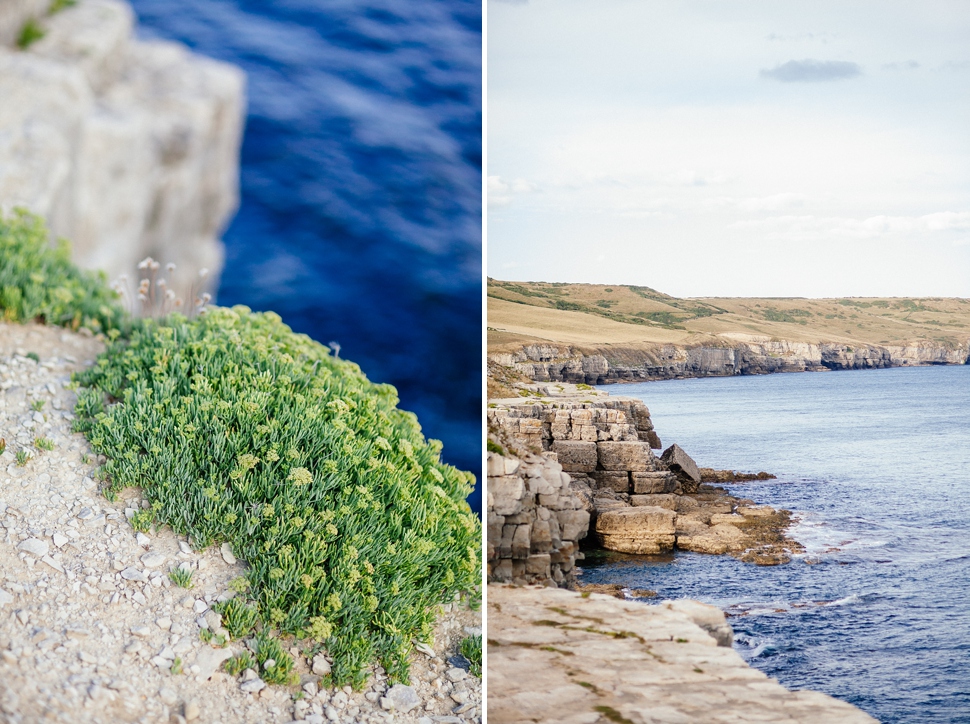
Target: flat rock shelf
x: 91, y: 627
x: 570, y: 658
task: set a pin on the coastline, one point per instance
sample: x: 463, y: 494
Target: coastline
x: 566, y: 463
x: 611, y: 364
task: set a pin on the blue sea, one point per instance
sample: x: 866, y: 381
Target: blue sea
x: 876, y: 467
x: 360, y: 220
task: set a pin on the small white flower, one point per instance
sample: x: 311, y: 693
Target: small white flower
x: 170, y: 267
x: 145, y: 263
x: 203, y: 272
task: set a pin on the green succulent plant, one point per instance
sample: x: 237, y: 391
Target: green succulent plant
x: 240, y: 431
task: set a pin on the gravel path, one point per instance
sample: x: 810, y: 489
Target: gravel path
x: 91, y: 628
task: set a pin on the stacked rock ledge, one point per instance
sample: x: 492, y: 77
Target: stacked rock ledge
x: 636, y: 502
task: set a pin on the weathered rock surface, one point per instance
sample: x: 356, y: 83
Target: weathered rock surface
x: 555, y: 656
x: 642, y: 530
x: 128, y: 148
x: 683, y: 466
x: 534, y: 519
x: 615, y: 478
x: 546, y: 363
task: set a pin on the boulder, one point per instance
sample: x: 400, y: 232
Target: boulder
x: 576, y: 456
x: 680, y: 463
x: 641, y: 530
x: 660, y: 501
x: 653, y: 482
x: 610, y: 480
x: 628, y: 456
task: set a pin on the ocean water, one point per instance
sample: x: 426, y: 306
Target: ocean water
x: 876, y: 465
x: 360, y: 220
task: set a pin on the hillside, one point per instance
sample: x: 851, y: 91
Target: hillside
x: 521, y: 313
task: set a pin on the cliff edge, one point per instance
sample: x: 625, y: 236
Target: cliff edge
x: 128, y: 148
x: 571, y: 658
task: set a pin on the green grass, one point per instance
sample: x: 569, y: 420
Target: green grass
x: 38, y: 283
x: 37, y: 405
x: 239, y: 430
x: 471, y: 649
x: 22, y: 457
x: 44, y: 443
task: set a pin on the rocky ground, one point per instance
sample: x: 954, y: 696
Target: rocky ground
x: 91, y: 627
x: 586, y: 658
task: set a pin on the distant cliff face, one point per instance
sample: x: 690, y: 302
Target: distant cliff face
x: 552, y: 363
x: 127, y: 148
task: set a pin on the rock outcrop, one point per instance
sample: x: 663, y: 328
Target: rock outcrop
x: 555, y: 363
x: 127, y: 148
x: 534, y: 520
x: 636, y: 502
x: 564, y: 657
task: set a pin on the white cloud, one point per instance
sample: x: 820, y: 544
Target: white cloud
x: 873, y: 227
x: 501, y: 193
x: 775, y: 202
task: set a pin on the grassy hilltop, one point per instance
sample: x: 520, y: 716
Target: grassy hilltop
x: 595, y: 314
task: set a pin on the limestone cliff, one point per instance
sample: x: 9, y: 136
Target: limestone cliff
x: 128, y: 148
x: 559, y: 656
x: 617, y: 363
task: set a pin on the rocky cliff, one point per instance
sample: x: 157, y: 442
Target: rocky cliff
x: 586, y: 465
x: 561, y: 656
x: 128, y: 148
x: 616, y: 363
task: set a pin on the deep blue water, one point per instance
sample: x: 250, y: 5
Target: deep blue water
x: 360, y: 220
x: 876, y: 464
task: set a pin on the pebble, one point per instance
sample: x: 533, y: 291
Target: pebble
x: 252, y: 686
x: 400, y: 697
x: 321, y: 666
x: 142, y: 539
x: 227, y: 555
x: 35, y: 547
x: 456, y: 674
x: 152, y: 560
x: 60, y: 540
x: 133, y: 574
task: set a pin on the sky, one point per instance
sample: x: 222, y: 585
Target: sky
x: 731, y: 147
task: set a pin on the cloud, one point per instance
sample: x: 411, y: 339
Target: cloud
x: 812, y: 71
x: 822, y: 37
x: 905, y: 65
x: 774, y: 202
x: 870, y: 228
x: 501, y: 193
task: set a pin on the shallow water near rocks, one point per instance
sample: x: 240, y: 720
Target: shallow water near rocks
x: 876, y: 464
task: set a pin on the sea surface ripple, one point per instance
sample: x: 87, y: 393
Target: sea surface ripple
x: 876, y: 465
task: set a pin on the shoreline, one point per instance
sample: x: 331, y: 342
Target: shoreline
x: 617, y: 364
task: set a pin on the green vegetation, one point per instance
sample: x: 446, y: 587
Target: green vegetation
x: 40, y: 283
x: 276, y: 664
x: 790, y: 315
x: 239, y: 663
x: 471, y: 649
x: 57, y: 5
x: 494, y: 447
x: 239, y: 430
x: 37, y: 405
x: 238, y: 618
x: 34, y: 356
x: 30, y: 33
x: 43, y: 443
x: 181, y: 577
